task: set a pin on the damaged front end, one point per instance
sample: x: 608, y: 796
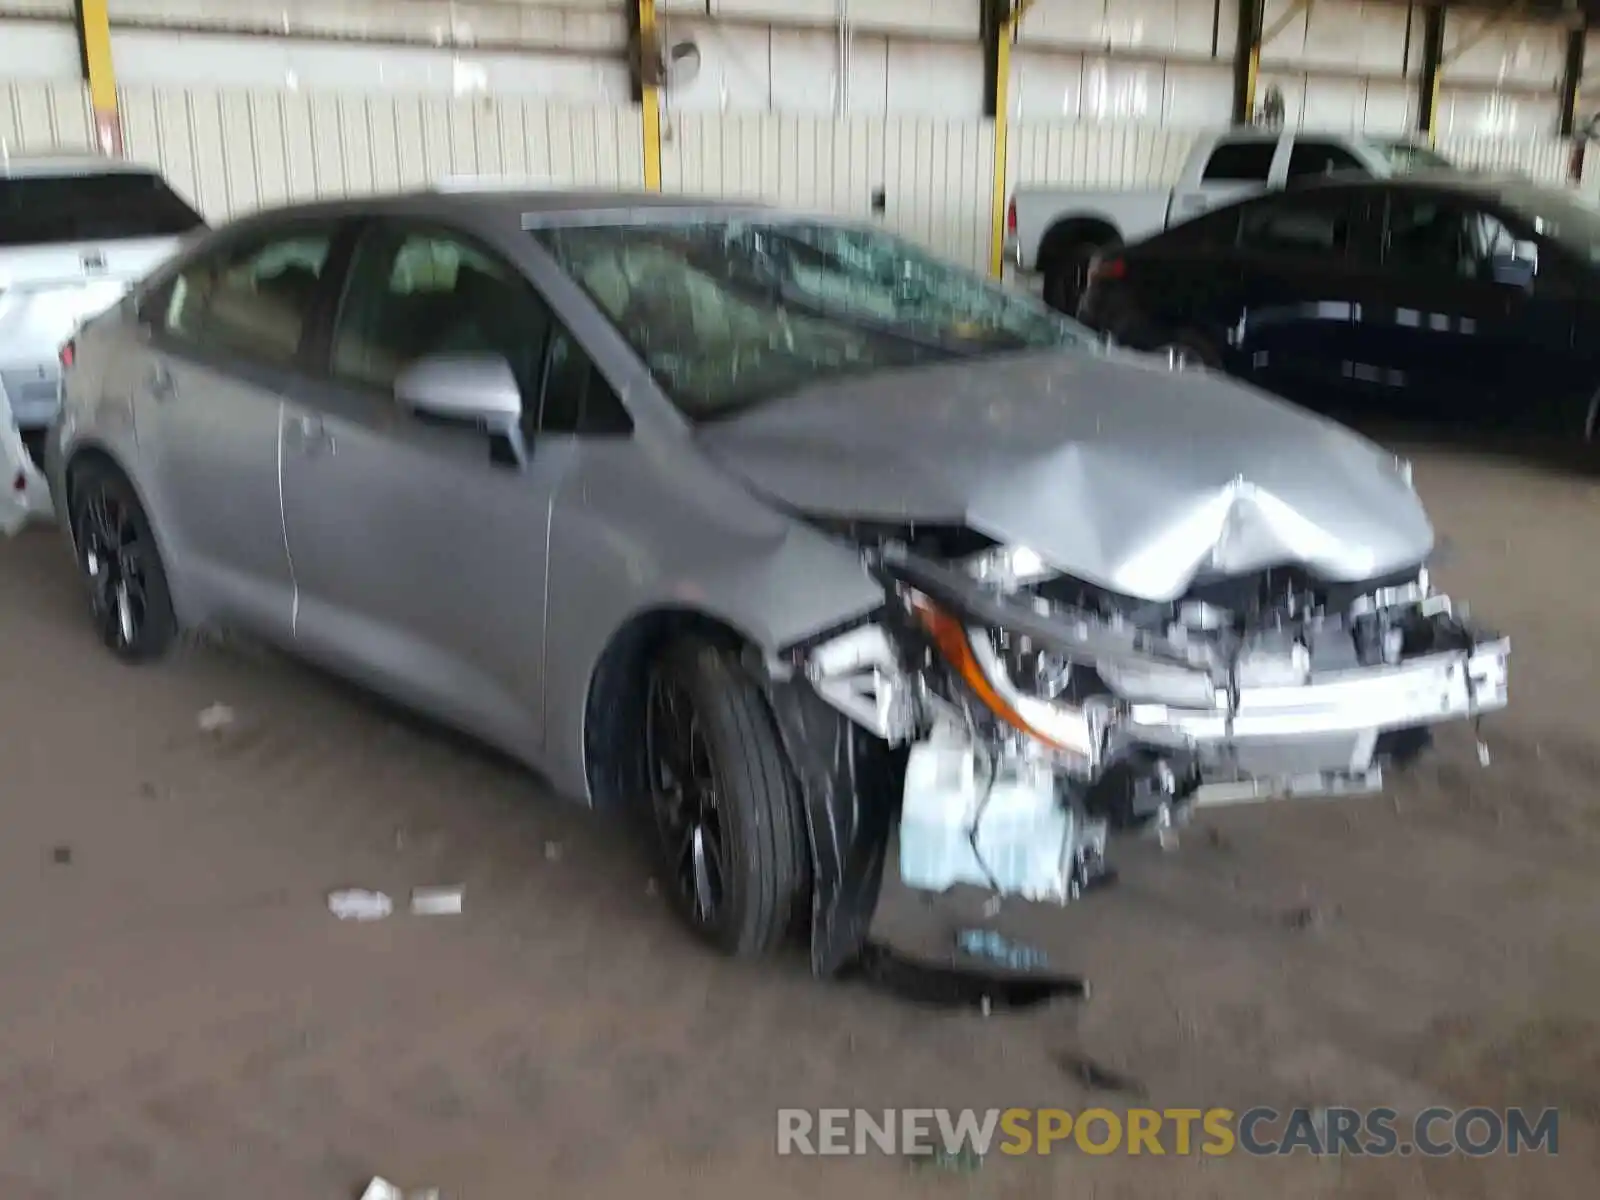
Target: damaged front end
x: 1016, y: 717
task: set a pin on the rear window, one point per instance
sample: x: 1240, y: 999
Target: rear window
x: 1241, y: 162
x: 42, y: 209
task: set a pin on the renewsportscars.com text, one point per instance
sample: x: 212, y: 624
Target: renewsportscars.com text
x: 1377, y: 1132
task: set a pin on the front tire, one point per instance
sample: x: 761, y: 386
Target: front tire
x: 724, y: 804
x: 117, y: 554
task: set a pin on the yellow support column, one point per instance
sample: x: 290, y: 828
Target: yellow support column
x: 649, y: 94
x: 1432, y: 70
x: 94, y: 45
x: 999, y: 31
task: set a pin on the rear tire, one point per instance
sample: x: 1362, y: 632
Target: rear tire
x: 729, y: 830
x: 1066, y: 272
x: 121, y: 565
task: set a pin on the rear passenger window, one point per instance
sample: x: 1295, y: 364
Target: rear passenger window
x: 1313, y: 159
x: 253, y: 297
x: 1240, y: 162
x: 1299, y: 229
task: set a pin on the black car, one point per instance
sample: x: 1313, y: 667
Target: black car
x: 1455, y: 298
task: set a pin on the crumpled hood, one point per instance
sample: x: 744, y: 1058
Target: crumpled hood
x: 1113, y: 468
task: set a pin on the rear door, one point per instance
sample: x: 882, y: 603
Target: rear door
x: 1306, y: 272
x: 70, y: 245
x: 225, y: 346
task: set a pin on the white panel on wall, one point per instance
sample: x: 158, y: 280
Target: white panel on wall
x: 1391, y: 106
x: 1152, y: 27
x: 1049, y: 86
x: 955, y: 19
x: 802, y: 71
x: 935, y: 174
x: 1525, y: 54
x: 39, y: 117
x: 164, y: 59
x: 598, y: 25
x: 1340, y: 102
x: 233, y: 150
x: 736, y: 71
x: 38, y: 50
x: 745, y: 69
x: 1364, y: 38
x: 933, y: 79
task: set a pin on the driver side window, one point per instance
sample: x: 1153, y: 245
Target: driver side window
x: 412, y: 294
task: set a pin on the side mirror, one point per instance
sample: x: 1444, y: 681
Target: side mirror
x: 1516, y: 268
x: 476, y: 390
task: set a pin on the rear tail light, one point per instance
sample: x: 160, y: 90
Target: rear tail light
x: 1011, y: 217
x: 68, y: 352
x: 1102, y: 269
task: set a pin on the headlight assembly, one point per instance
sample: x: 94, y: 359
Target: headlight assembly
x: 970, y: 653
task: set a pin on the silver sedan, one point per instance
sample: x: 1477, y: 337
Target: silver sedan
x: 781, y: 532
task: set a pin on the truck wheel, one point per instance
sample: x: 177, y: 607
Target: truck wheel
x: 1066, y: 273
x: 730, y: 833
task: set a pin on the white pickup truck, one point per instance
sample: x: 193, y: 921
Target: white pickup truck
x: 1056, y: 231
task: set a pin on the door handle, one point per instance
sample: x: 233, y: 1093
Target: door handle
x: 159, y: 382
x: 309, y: 435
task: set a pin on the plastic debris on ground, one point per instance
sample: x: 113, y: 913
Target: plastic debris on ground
x: 215, y: 718
x: 359, y: 904
x: 964, y: 1161
x: 436, y: 901
x: 952, y: 985
x: 381, y: 1189
x: 996, y: 947
x: 552, y: 851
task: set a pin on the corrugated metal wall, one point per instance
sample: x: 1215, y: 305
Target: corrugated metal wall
x: 234, y: 150
x: 1096, y: 153
x: 1544, y: 159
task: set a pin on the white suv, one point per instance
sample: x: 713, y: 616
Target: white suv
x: 76, y: 231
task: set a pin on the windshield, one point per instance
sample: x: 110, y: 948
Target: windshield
x: 42, y: 209
x: 1563, y: 219
x: 728, y: 312
x: 1405, y: 157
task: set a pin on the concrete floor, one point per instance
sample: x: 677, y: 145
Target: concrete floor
x: 181, y: 1018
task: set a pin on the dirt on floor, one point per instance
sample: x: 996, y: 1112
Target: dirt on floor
x: 180, y: 1016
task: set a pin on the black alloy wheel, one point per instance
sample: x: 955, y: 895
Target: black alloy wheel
x: 128, y: 593
x: 683, y: 797
x: 727, y: 822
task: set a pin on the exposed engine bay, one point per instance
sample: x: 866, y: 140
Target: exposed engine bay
x: 1039, y: 714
